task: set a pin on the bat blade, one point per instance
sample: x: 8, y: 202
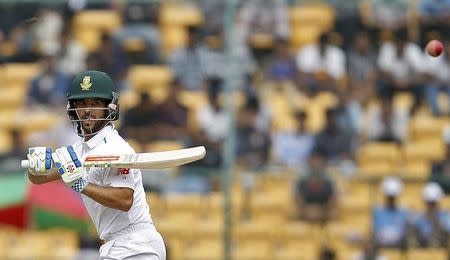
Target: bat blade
x: 154, y: 160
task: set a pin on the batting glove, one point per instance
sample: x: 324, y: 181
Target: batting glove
x: 70, y: 168
x: 40, y: 160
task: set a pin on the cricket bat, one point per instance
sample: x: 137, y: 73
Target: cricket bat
x: 154, y: 160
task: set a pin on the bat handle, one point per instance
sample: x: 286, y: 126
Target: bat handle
x: 24, y: 164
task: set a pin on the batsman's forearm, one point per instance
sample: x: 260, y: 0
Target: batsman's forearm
x: 41, y: 179
x: 111, y: 197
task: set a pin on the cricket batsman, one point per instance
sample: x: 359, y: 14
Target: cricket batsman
x: 114, y: 198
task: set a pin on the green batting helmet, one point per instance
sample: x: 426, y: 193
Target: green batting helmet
x: 91, y: 84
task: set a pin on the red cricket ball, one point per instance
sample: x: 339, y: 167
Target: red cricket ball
x: 434, y: 48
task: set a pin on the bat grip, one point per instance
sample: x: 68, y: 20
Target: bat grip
x: 24, y: 164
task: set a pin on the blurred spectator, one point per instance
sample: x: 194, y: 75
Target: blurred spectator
x: 50, y: 86
x: 438, y: 81
x: 386, y: 14
x: 264, y: 17
x: 390, y: 221
x: 315, y: 192
x: 294, y: 148
x: 22, y: 38
x: 402, y: 68
x: 385, y: 123
x: 282, y: 66
x: 138, y: 121
x: 2, y: 40
x: 111, y: 59
x: 47, y: 28
x: 432, y: 227
x: 213, y: 61
x: 171, y: 115
x: 321, y: 65
x: 72, y: 55
x: 10, y: 161
x: 213, y: 123
x: 213, y: 12
x: 368, y: 251
x: 186, y: 62
x: 252, y: 142
x: 434, y: 15
x: 140, y: 21
x: 361, y: 67
x: 333, y: 143
x: 327, y: 253
x: 440, y: 170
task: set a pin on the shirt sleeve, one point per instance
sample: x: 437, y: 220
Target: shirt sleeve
x: 122, y: 177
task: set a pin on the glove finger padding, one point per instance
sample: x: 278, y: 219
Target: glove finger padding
x: 67, y: 164
x: 40, y: 160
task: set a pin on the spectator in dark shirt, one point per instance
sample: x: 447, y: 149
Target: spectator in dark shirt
x: 10, y: 161
x: 140, y: 21
x: 110, y: 58
x: 440, y: 171
x: 252, y: 143
x: 171, y: 118
x: 282, y: 66
x: 50, y: 86
x: 138, y: 121
x: 315, y: 192
x: 333, y: 143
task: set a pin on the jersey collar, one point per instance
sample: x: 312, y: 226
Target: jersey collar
x: 100, y: 136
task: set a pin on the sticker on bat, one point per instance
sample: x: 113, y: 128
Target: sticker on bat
x: 123, y: 171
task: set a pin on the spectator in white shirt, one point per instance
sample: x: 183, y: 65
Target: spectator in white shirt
x: 321, y: 66
x: 213, y: 124
x: 72, y: 55
x: 401, y: 66
x: 438, y: 72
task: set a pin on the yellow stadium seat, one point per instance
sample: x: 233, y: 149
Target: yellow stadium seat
x: 88, y: 26
x: 179, y: 14
x: 205, y: 250
x: 303, y: 251
x: 403, y: 101
x: 6, y: 143
x: 188, y: 203
x: 20, y: 74
x: 160, y: 146
x: 11, y: 98
x: 424, y: 150
x: 209, y: 229
x: 296, y: 231
x: 304, y: 35
x: 378, y: 169
x: 425, y: 127
x: 251, y: 250
x: 37, y: 122
x: 427, y: 254
x: 379, y: 152
x: 326, y: 100
x: 262, y: 41
x: 394, y: 254
x: 308, y: 14
x: 145, y: 77
x: 133, y: 45
x: 173, y: 37
x: 254, y: 231
x: 416, y: 169
x: 177, y: 226
x: 105, y: 20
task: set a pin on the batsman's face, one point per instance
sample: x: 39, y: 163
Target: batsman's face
x: 91, y: 111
